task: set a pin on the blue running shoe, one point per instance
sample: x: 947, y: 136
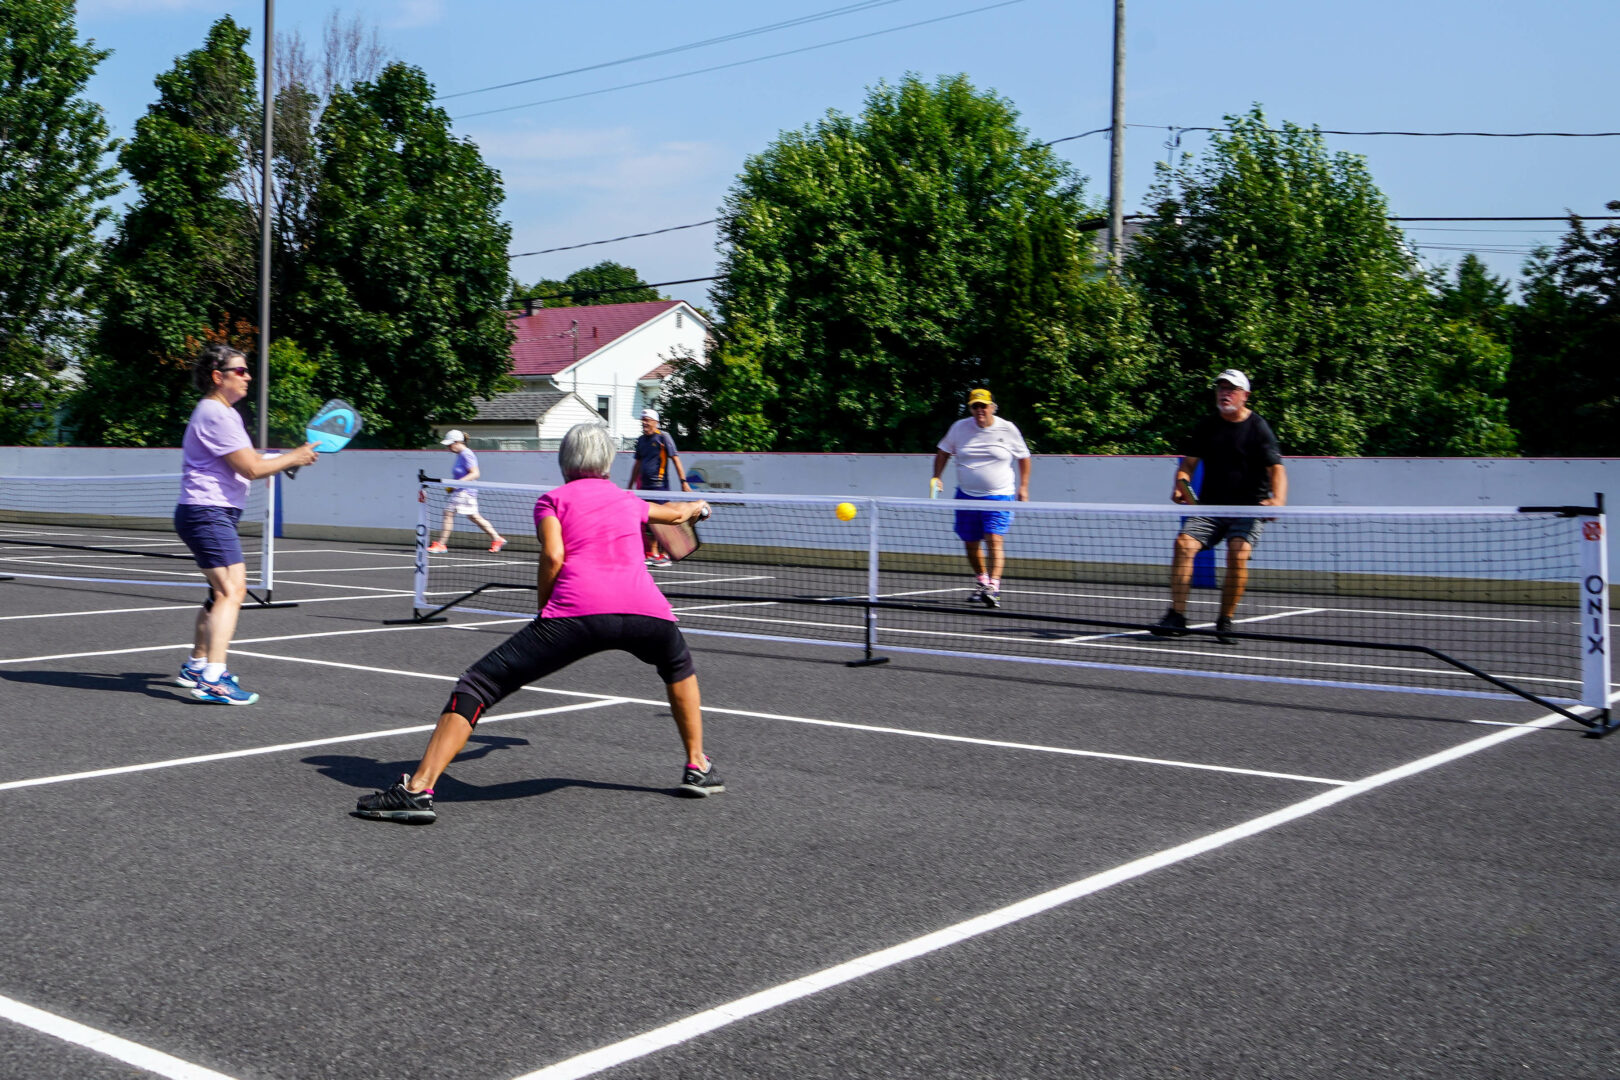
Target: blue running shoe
x: 224, y: 692
x: 189, y: 676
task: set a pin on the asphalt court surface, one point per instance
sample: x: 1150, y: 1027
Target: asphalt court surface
x: 1255, y: 887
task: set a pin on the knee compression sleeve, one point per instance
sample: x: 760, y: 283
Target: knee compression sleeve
x: 465, y: 703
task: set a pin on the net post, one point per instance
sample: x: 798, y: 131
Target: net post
x: 267, y: 539
x: 1595, y: 641
x: 419, y: 601
x: 872, y: 565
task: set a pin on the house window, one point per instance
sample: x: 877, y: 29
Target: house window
x: 603, y: 404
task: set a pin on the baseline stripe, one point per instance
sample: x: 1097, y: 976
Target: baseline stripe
x: 256, y: 751
x: 595, y: 1061
x: 142, y: 1057
x: 872, y: 728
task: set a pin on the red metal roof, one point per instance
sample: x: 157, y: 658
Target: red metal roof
x: 546, y: 342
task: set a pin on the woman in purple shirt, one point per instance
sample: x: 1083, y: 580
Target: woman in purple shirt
x: 220, y: 466
x: 595, y: 594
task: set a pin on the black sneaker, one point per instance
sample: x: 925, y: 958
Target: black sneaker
x: 700, y: 785
x: 398, y: 803
x: 991, y: 596
x: 1222, y: 627
x: 1174, y: 624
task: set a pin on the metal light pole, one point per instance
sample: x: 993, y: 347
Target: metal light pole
x: 1116, y: 155
x: 266, y: 208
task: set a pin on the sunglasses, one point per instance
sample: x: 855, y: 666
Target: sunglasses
x: 234, y: 370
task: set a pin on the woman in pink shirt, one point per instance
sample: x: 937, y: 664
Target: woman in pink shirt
x: 595, y: 594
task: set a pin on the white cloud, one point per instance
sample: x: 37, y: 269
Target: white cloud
x: 95, y: 8
x: 577, y: 162
x: 414, y: 14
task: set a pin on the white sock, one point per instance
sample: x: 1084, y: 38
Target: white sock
x: 212, y: 672
x: 195, y: 662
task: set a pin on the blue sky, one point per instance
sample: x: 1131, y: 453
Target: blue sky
x: 645, y: 158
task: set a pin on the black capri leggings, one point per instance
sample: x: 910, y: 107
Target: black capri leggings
x: 548, y: 645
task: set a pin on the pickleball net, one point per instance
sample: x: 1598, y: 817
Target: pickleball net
x: 118, y: 530
x: 1478, y: 601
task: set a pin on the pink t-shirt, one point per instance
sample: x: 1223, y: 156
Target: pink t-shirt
x: 207, y: 478
x: 604, y: 570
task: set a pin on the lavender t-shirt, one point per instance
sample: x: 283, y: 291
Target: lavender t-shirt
x: 207, y: 479
x: 604, y: 571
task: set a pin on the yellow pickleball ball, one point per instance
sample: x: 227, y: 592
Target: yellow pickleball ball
x: 845, y: 511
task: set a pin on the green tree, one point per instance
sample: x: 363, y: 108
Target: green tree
x: 1565, y: 384
x: 398, y: 296
x: 180, y: 270
x: 877, y: 267
x: 51, y: 184
x: 1274, y: 256
x: 1476, y: 295
x: 607, y: 282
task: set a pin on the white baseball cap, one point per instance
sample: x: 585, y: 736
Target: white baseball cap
x: 454, y: 435
x: 1235, y: 377
x: 648, y: 414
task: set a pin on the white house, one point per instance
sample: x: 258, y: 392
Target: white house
x: 514, y: 421
x: 578, y: 363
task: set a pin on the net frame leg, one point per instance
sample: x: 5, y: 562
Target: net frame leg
x: 870, y: 659
x: 420, y: 566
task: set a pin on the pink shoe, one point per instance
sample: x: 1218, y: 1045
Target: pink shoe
x: 437, y: 548
x: 499, y: 543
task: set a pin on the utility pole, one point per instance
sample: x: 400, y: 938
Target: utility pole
x: 266, y: 210
x: 1116, y: 154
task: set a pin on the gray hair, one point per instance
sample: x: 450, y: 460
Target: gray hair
x: 586, y: 452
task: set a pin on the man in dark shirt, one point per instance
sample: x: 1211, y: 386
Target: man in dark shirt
x: 1242, y: 467
x: 655, y: 459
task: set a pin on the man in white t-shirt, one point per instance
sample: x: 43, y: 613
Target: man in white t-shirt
x: 986, y: 448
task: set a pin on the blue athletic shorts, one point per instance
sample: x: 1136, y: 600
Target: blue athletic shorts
x: 974, y: 525
x: 210, y: 533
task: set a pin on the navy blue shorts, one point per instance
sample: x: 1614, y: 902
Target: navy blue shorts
x: 549, y: 645
x: 974, y: 525
x: 210, y: 533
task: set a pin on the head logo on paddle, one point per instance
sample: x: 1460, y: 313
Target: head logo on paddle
x: 331, y: 428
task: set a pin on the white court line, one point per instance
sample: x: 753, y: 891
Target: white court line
x: 871, y: 728
x: 1170, y: 650
x: 256, y: 751
x: 192, y: 607
x: 681, y: 1031
x: 280, y: 551
x: 1159, y: 599
x: 1199, y: 626
x: 142, y: 1057
x: 246, y: 641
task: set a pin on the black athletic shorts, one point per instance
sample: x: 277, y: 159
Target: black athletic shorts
x: 549, y: 645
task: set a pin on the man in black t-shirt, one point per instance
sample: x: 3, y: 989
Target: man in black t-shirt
x: 1242, y: 467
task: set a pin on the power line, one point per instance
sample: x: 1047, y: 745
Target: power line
x: 1422, y: 134
x: 738, y: 63
x: 615, y: 240
x: 1565, y: 217
x: 831, y: 13
x: 710, y: 221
